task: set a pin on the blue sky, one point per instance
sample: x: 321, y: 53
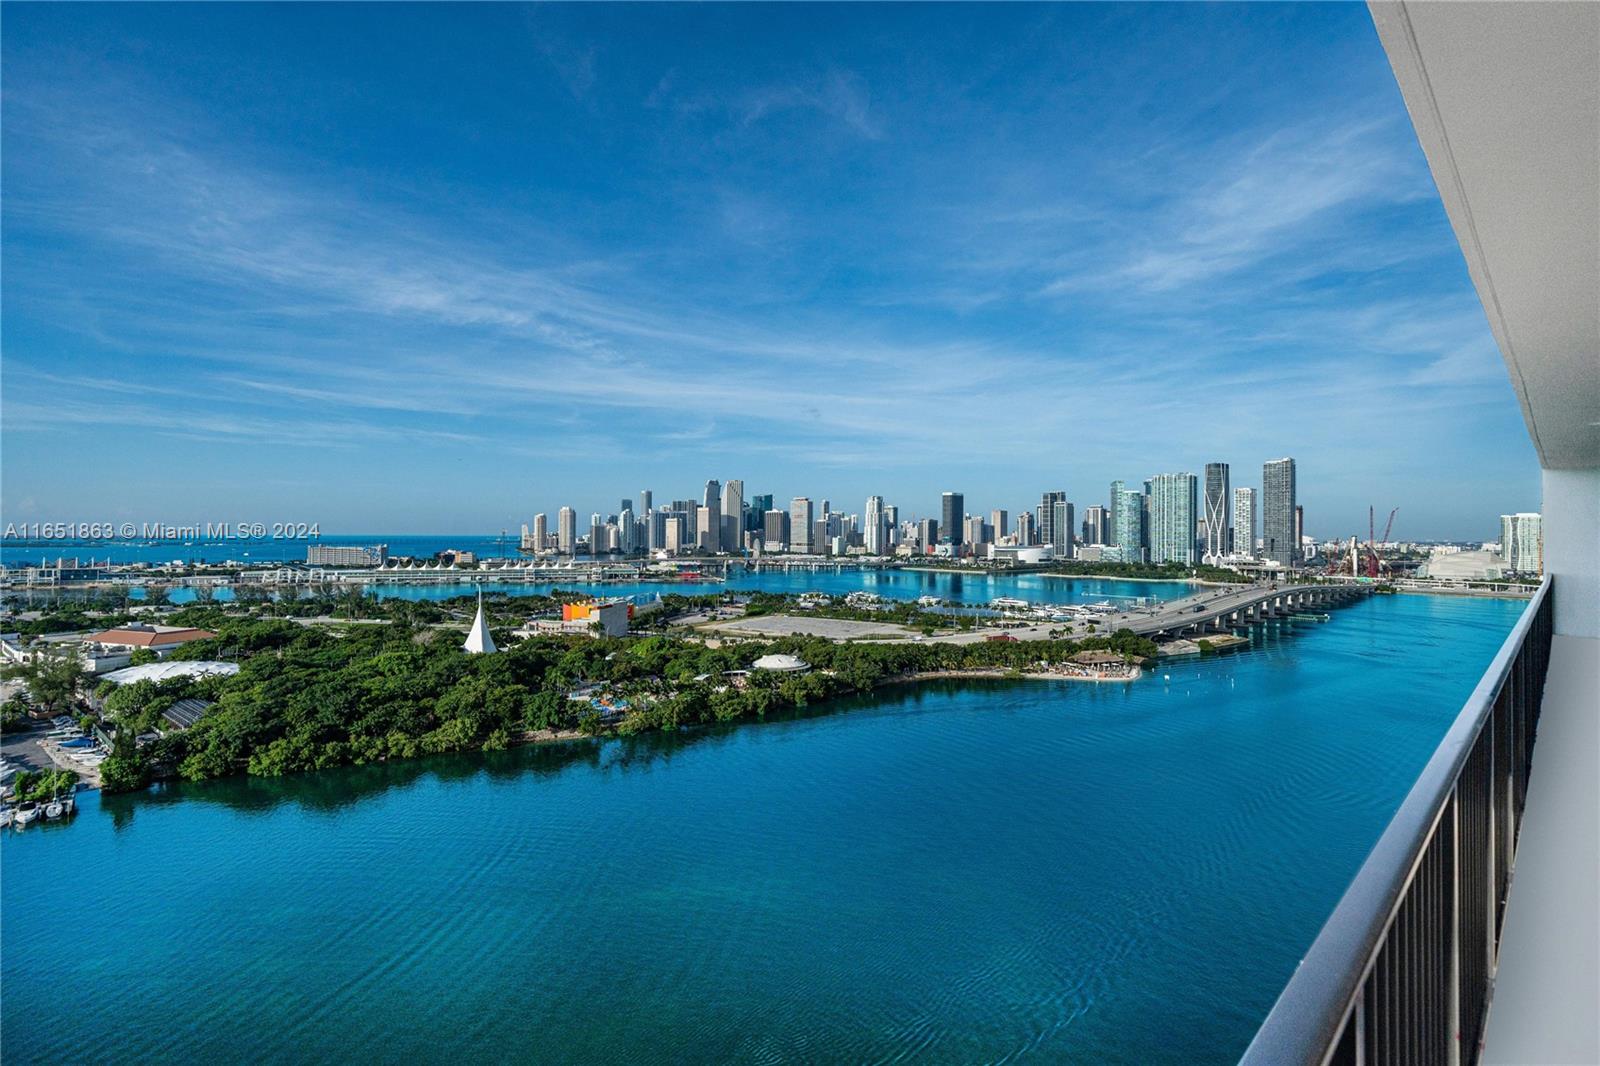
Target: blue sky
x: 434, y: 269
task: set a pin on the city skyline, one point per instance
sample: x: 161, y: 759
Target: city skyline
x: 1177, y: 520
x: 632, y: 258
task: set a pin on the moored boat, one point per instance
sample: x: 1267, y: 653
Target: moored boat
x: 54, y: 809
x: 27, y: 812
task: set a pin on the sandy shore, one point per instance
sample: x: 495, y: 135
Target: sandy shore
x: 547, y: 736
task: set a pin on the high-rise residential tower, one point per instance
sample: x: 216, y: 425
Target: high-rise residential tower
x: 1243, y: 534
x: 1045, y: 524
x: 645, y: 501
x: 541, y: 531
x: 1172, y: 518
x: 566, y: 531
x: 876, y: 531
x: 1001, y: 521
x: 1218, y: 509
x: 1096, y: 525
x: 1026, y: 534
x: 1130, y: 525
x: 1115, y: 521
x: 1062, y: 522
x: 625, y: 542
x: 1522, y: 542
x: 1278, y: 542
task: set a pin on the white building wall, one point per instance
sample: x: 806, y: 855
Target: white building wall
x: 1572, y: 548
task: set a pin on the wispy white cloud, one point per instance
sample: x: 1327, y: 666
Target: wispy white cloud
x: 1263, y: 202
x: 987, y: 314
x: 841, y: 96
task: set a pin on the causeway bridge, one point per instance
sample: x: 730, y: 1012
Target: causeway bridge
x: 1222, y: 610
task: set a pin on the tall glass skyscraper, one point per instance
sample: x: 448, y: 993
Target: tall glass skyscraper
x: 1130, y: 525
x: 1219, y: 506
x: 1061, y: 523
x: 755, y: 510
x: 1278, y: 542
x: 1172, y: 515
x: 1117, y: 489
x: 709, y: 531
x: 952, y: 508
x: 1045, y: 526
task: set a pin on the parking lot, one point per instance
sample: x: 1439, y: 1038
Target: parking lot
x: 788, y: 625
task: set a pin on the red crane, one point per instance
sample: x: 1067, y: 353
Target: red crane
x: 1373, y: 563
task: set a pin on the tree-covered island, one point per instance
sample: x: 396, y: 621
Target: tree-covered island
x: 356, y: 680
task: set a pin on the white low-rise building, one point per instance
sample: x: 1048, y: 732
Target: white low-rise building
x: 1022, y: 554
x: 784, y: 664
x: 168, y: 670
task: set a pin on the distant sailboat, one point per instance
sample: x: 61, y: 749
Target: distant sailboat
x: 479, y: 642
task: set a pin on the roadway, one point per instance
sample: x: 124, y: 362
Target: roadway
x: 1229, y: 607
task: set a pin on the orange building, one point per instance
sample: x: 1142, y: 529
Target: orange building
x: 588, y: 612
x: 613, y: 615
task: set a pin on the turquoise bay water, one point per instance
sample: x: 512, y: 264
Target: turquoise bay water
x: 890, y: 584
x: 961, y: 873
x: 975, y: 588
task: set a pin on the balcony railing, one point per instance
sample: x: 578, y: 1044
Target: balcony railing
x: 1402, y: 971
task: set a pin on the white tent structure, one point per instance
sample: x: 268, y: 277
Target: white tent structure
x: 479, y: 642
x: 166, y: 670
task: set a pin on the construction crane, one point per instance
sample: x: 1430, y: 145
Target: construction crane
x: 1374, y: 564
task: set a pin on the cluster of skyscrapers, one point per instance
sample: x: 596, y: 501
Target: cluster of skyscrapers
x: 1184, y: 518
x: 1169, y: 518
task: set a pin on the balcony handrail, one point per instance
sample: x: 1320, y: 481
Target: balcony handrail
x: 1306, y: 1022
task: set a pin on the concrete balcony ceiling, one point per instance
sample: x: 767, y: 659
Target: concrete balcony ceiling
x: 1504, y: 98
